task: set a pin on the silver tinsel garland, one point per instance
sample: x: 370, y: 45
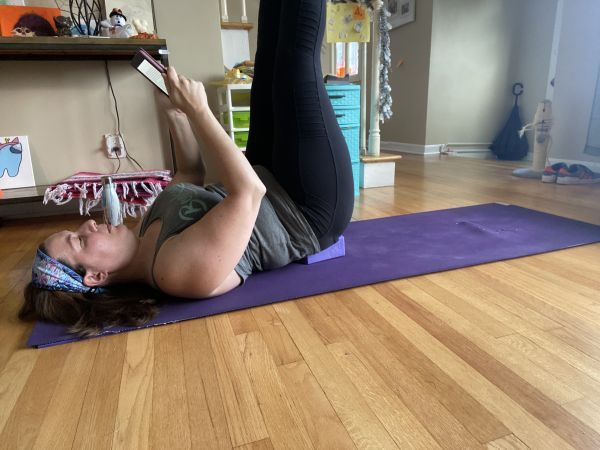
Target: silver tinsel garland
x: 385, y: 90
x: 385, y: 55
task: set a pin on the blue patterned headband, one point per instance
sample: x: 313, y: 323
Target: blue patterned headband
x: 50, y: 274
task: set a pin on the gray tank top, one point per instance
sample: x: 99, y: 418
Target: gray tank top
x: 281, y: 233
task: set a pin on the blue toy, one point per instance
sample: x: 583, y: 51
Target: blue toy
x: 11, y: 154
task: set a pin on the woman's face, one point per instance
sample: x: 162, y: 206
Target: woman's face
x: 93, y: 247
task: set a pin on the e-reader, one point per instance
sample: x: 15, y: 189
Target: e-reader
x: 150, y: 68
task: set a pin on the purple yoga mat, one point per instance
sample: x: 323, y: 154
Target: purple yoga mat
x: 380, y: 250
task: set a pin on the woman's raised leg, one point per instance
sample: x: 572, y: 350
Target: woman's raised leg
x: 310, y: 155
x: 260, y: 139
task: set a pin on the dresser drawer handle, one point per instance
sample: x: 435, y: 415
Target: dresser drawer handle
x: 335, y: 97
x: 337, y: 116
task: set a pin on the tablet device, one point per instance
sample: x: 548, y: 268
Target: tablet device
x: 150, y: 68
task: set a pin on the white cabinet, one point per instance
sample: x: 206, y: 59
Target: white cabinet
x: 234, y: 111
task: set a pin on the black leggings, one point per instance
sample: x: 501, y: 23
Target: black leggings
x: 293, y: 129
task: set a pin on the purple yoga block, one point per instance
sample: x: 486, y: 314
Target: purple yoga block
x: 335, y: 251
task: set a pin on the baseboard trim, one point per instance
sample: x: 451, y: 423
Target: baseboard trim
x: 415, y: 149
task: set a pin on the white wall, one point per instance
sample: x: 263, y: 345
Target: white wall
x: 577, y: 72
x: 461, y: 60
x: 532, y: 54
x: 65, y: 106
x: 409, y: 82
x: 471, y: 52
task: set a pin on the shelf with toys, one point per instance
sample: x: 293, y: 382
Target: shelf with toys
x: 77, y: 48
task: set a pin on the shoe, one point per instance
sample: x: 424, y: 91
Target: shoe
x: 550, y: 173
x: 577, y: 174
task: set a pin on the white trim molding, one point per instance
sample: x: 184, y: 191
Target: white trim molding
x: 415, y: 149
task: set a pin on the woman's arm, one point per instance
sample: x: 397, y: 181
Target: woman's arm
x: 199, y: 261
x: 232, y: 167
x: 188, y: 155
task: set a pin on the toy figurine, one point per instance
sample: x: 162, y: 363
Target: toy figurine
x: 118, y: 26
x: 63, y: 25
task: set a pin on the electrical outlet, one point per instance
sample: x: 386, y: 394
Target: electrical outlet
x: 115, y: 147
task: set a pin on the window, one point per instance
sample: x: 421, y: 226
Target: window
x: 340, y: 58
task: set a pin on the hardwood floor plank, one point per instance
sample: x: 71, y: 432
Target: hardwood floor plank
x: 585, y: 256
x: 361, y: 423
x: 320, y: 420
x: 282, y: 348
x: 564, y: 285
x: 397, y: 419
x: 555, y: 365
x: 587, y: 411
x: 134, y: 409
x: 570, y: 271
x: 264, y: 444
x: 542, y: 380
x: 580, y: 341
x: 13, y: 379
x: 284, y: 425
x: 21, y: 428
x: 13, y: 332
x: 544, y: 290
x: 208, y: 421
x: 475, y: 316
x: 510, y: 442
x: 244, y: 418
x: 532, y: 305
x: 170, y: 425
x: 556, y: 418
x: 452, y: 416
x: 321, y: 322
x: 505, y: 408
x: 62, y: 415
x: 488, y: 298
x: 242, y: 321
x: 578, y: 359
x: 98, y: 414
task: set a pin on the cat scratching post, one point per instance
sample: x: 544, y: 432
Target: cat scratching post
x: 542, y: 123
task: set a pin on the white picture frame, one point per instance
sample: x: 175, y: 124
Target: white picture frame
x: 16, y: 170
x: 402, y: 12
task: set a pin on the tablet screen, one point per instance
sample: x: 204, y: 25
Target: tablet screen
x: 152, y: 73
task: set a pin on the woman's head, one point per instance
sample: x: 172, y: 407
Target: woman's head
x: 68, y: 275
x: 92, y: 251
x: 69, y: 271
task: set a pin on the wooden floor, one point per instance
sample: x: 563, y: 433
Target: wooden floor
x: 503, y: 355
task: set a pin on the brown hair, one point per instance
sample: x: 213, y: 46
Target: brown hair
x: 87, y: 314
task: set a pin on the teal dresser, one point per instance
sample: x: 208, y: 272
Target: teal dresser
x: 345, y: 99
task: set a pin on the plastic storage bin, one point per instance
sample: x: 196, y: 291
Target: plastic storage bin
x: 241, y: 138
x: 344, y: 94
x: 352, y: 136
x: 241, y: 119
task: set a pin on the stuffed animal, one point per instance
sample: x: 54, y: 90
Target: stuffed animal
x: 34, y: 23
x: 118, y: 26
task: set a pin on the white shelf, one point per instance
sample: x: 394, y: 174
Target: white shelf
x: 227, y: 109
x: 224, y: 108
x: 236, y: 87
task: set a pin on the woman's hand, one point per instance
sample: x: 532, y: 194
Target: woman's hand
x: 187, y: 95
x: 166, y: 105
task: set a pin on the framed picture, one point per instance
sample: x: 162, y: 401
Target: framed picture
x: 15, y: 163
x: 402, y: 12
